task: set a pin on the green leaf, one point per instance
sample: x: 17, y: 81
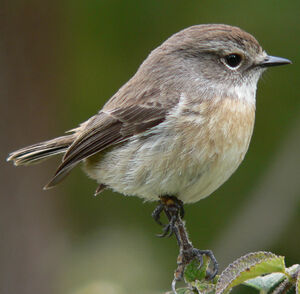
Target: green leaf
x: 192, y: 271
x: 267, y: 282
x: 204, y: 287
x: 247, y: 267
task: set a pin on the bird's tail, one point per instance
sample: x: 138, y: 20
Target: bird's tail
x: 40, y: 151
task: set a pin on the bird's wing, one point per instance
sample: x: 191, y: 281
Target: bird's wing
x: 110, y: 127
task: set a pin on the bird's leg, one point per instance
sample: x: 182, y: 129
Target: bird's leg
x: 171, y: 206
x: 173, y: 209
x: 188, y: 253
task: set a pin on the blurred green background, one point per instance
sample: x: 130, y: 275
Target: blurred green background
x: 59, y: 62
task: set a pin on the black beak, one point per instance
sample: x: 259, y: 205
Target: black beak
x: 274, y: 61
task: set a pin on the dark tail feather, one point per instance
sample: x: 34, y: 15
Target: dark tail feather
x: 40, y: 151
x: 58, y: 177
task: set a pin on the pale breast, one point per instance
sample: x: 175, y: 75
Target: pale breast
x: 218, y: 137
x: 189, y: 155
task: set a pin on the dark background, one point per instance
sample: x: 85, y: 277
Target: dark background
x: 59, y: 62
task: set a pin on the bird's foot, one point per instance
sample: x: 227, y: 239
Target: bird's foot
x: 173, y: 208
x: 187, y: 256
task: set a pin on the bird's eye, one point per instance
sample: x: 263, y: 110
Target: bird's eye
x: 233, y: 60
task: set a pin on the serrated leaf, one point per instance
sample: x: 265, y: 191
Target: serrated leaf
x: 265, y: 283
x: 204, y: 287
x: 247, y: 267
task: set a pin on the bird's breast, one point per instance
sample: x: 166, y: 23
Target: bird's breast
x: 215, y: 139
x: 189, y: 155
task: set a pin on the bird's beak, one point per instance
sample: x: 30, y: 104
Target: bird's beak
x: 274, y: 61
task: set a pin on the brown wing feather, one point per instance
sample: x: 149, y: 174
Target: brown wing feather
x: 106, y: 129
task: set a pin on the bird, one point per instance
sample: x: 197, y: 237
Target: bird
x: 177, y: 130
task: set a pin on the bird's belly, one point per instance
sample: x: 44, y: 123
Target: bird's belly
x: 210, y: 175
x: 178, y: 158
x: 162, y: 167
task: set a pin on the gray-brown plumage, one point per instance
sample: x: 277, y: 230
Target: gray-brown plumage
x: 180, y: 126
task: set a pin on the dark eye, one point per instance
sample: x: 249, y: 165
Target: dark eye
x: 233, y: 60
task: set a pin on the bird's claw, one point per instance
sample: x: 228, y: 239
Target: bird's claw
x: 157, y: 212
x: 215, y: 265
x: 169, y: 228
x: 185, y: 258
x: 172, y: 207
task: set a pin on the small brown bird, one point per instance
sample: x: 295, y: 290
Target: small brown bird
x: 178, y: 129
